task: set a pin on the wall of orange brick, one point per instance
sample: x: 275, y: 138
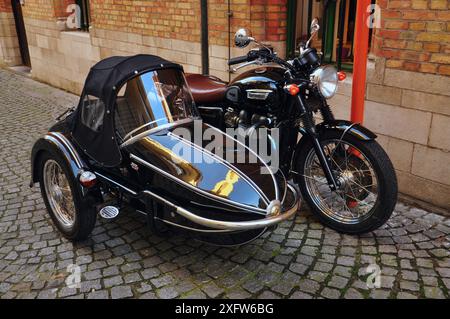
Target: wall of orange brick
x: 5, y: 6
x: 408, y: 95
x: 9, y: 45
x: 170, y: 29
x: 415, y: 36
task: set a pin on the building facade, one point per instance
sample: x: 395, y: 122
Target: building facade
x: 408, y: 89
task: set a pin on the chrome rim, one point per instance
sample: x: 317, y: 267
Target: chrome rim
x: 357, y: 195
x: 59, y: 194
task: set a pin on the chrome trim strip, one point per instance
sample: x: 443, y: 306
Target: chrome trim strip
x: 116, y: 183
x: 191, y: 228
x: 231, y: 226
x: 69, y: 147
x: 138, y: 137
x: 277, y: 191
x: 212, y: 206
x: 197, y: 190
x: 221, y: 160
x: 140, y: 128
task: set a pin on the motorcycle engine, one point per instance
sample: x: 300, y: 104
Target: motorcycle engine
x: 243, y: 118
x: 232, y: 118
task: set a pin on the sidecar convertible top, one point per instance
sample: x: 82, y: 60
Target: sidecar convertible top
x: 119, y: 148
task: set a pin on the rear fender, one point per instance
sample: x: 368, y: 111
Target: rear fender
x: 55, y: 142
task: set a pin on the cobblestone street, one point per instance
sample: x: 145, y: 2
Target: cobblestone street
x: 122, y: 259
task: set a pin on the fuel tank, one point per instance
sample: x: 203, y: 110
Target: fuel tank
x: 260, y: 90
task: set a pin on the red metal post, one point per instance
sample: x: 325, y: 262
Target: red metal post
x: 360, y: 60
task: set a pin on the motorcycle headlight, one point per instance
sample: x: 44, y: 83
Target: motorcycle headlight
x: 326, y: 79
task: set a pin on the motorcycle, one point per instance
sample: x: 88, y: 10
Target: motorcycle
x: 344, y: 175
x: 118, y: 149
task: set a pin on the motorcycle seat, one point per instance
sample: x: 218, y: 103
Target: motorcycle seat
x: 206, y: 89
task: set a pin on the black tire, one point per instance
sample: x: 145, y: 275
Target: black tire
x: 386, y: 178
x: 85, y: 212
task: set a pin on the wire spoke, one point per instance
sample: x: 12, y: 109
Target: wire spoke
x: 353, y: 170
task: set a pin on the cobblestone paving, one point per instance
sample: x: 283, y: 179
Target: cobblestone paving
x: 301, y: 259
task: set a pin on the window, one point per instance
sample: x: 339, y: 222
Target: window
x: 152, y: 100
x: 84, y: 14
x: 92, y: 113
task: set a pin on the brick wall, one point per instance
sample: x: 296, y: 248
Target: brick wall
x: 175, y: 19
x: 415, y: 35
x: 5, y: 6
x: 39, y: 9
x: 60, y: 7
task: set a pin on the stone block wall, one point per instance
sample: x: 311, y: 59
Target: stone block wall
x: 408, y: 95
x: 9, y: 45
x: 412, y: 124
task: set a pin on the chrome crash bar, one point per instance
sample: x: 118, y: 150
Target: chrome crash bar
x: 226, y: 225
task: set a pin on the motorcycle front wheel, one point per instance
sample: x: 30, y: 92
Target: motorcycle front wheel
x: 367, y: 192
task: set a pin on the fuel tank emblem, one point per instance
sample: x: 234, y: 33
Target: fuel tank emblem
x: 258, y: 94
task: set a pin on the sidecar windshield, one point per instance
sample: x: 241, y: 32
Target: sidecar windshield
x: 151, y: 101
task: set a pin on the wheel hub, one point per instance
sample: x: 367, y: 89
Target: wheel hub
x: 345, y: 179
x: 57, y: 193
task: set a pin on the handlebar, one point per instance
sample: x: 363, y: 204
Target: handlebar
x: 238, y: 60
x: 264, y: 55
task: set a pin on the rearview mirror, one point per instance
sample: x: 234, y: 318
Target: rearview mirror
x: 242, y: 38
x: 315, y: 27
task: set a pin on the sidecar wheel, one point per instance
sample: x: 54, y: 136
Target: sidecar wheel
x: 70, y: 211
x: 367, y: 194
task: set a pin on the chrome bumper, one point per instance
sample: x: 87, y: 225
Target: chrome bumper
x: 231, y: 226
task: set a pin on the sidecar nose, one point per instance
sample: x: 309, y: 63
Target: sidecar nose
x: 285, y: 213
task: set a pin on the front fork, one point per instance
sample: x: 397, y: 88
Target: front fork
x: 310, y: 130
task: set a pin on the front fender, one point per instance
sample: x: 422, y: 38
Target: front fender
x: 347, y: 127
x: 55, y: 142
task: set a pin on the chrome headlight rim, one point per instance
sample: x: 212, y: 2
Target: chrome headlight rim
x: 326, y: 79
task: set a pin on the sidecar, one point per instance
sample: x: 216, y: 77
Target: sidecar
x: 136, y: 140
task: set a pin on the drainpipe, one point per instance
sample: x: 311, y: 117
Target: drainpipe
x: 205, y: 44
x: 360, y: 60
x: 230, y: 15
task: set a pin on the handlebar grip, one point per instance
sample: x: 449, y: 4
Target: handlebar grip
x: 238, y: 60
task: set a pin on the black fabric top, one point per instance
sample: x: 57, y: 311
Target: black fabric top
x: 110, y: 74
x: 104, y: 82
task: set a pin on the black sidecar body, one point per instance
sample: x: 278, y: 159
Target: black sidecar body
x: 136, y: 140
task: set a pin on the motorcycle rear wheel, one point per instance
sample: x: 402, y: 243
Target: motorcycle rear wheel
x: 368, y: 191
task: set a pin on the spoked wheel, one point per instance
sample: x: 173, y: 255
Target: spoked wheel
x: 70, y: 210
x: 367, y: 191
x: 59, y: 194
